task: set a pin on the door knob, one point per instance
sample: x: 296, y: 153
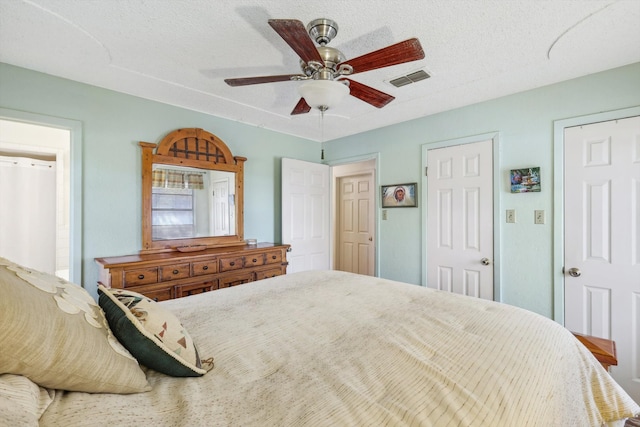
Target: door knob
x: 485, y: 261
x: 574, y: 272
x: 371, y: 239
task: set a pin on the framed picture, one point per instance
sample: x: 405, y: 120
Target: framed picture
x: 400, y: 195
x: 525, y: 180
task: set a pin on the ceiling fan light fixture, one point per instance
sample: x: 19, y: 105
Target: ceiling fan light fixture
x: 323, y: 94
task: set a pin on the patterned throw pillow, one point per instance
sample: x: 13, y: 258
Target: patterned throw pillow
x: 152, y: 333
x: 54, y: 333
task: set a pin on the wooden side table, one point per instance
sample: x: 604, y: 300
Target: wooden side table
x: 603, y: 349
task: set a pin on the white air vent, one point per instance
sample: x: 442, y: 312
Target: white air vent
x: 414, y: 77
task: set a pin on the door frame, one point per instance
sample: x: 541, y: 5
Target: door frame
x: 497, y: 182
x: 558, y: 195
x: 75, y: 209
x: 334, y: 206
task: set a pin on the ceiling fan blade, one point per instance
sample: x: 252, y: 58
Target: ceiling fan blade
x: 295, y: 34
x: 244, y: 81
x: 368, y: 94
x: 399, y: 53
x: 301, y: 107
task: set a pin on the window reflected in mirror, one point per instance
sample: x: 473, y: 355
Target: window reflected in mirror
x: 189, y: 203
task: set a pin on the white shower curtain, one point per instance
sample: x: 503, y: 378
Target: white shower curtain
x: 28, y: 212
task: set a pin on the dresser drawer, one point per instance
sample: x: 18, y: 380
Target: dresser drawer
x: 235, y: 279
x: 198, y: 288
x: 156, y: 293
x: 230, y: 264
x: 173, y: 272
x: 254, y: 260
x: 273, y: 257
x: 140, y: 277
x: 204, y: 267
x: 272, y: 272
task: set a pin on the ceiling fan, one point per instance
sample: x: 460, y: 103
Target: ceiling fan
x: 325, y: 65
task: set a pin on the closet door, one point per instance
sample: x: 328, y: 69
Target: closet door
x: 460, y: 219
x: 602, y: 239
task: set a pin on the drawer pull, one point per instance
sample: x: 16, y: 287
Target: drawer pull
x: 175, y: 272
x: 141, y: 276
x: 156, y: 299
x: 273, y: 257
x: 255, y: 260
x: 206, y: 267
x: 232, y: 263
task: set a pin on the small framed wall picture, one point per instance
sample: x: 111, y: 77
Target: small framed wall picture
x: 400, y: 195
x: 525, y: 180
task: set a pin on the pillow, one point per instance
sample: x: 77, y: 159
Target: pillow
x: 54, y: 333
x: 22, y: 402
x: 153, y: 334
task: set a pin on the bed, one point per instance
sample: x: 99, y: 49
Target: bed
x: 324, y: 348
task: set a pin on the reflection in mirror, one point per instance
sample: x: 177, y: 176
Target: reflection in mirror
x: 189, y: 202
x: 192, y: 193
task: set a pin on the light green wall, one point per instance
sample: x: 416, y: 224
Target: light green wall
x: 112, y: 125
x: 525, y: 125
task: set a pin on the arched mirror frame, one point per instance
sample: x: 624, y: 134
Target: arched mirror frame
x: 195, y: 148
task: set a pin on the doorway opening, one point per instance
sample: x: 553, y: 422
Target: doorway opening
x: 309, y: 209
x: 43, y: 142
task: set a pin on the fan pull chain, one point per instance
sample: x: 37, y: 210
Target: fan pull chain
x: 321, y: 125
x: 322, y: 133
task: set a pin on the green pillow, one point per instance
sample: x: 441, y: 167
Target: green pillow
x: 153, y: 334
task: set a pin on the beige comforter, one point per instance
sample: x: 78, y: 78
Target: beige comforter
x: 332, y: 348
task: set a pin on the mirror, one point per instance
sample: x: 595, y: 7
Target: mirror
x: 192, y: 193
x: 189, y: 202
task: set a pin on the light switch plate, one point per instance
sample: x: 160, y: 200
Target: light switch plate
x: 384, y: 214
x: 511, y: 216
x: 538, y: 217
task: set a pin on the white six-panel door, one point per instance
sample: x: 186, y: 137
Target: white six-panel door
x: 221, y: 211
x: 305, y: 214
x: 460, y: 219
x: 602, y: 239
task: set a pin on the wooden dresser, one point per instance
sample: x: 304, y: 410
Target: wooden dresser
x: 167, y: 275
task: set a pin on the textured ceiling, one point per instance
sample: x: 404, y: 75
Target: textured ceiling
x: 180, y: 51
